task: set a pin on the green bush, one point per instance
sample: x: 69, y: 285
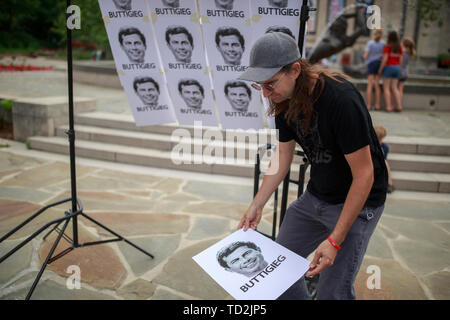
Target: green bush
x: 6, y: 104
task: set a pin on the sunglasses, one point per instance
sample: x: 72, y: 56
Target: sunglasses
x: 268, y: 87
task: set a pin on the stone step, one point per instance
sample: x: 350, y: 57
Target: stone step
x: 419, y: 181
x: 242, y: 149
x: 246, y: 150
x: 419, y: 145
x: 419, y: 163
x: 126, y: 122
x: 151, y: 157
x: 403, y: 180
x: 397, y: 144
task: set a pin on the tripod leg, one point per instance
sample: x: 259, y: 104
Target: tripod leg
x: 38, y: 277
x: 20, y: 245
x: 53, y: 229
x: 118, y: 235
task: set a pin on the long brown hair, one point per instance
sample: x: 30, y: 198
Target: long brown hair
x: 408, y: 43
x: 394, y: 42
x: 304, y: 95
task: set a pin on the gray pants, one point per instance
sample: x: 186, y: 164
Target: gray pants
x: 307, y: 223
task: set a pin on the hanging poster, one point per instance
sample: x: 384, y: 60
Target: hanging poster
x: 274, y: 16
x: 178, y: 33
x: 228, y: 37
x: 132, y: 43
x: 250, y: 266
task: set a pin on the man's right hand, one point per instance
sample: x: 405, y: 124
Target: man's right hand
x: 251, y: 218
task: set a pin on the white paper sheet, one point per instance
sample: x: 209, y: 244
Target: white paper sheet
x: 250, y: 266
x: 180, y: 43
x: 228, y: 37
x: 133, y: 46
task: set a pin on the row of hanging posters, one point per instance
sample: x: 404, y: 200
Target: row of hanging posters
x: 171, y: 55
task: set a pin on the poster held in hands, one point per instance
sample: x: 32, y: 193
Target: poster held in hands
x: 250, y: 266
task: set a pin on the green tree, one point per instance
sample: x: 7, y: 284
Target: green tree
x: 27, y: 23
x: 92, y: 26
x: 430, y: 11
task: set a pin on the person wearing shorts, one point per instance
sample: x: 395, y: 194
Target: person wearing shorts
x: 372, y: 56
x: 390, y: 72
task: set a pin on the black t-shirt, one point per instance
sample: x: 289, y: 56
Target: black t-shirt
x: 340, y: 125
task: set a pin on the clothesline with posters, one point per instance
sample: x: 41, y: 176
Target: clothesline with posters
x: 179, y: 60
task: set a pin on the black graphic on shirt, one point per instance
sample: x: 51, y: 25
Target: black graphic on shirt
x: 311, y: 142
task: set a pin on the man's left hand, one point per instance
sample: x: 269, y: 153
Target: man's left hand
x: 323, y: 258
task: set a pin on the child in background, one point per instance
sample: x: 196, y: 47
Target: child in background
x: 372, y: 56
x: 381, y: 134
x: 409, y: 52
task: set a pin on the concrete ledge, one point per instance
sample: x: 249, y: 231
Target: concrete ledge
x: 103, y: 72
x: 41, y: 116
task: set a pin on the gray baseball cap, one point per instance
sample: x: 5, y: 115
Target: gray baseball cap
x: 269, y: 54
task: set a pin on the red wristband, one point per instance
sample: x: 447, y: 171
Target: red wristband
x: 334, y: 244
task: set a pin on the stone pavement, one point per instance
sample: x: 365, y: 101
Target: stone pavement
x: 175, y: 215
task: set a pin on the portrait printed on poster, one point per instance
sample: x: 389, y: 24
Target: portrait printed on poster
x: 248, y: 265
x: 122, y: 4
x: 224, y: 4
x: 180, y: 42
x: 148, y: 91
x: 277, y: 8
x: 224, y: 8
x: 170, y: 7
x: 171, y: 3
x: 134, y: 44
x: 148, y: 98
x: 123, y: 8
x: 278, y: 3
x: 231, y: 45
x: 193, y: 94
x: 243, y: 257
x: 239, y: 96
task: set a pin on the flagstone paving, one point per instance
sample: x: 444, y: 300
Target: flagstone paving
x: 175, y: 219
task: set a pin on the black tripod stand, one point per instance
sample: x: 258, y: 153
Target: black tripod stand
x: 77, y: 208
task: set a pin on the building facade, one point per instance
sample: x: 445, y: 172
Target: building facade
x: 432, y: 41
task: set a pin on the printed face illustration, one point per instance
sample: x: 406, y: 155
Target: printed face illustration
x: 245, y: 260
x: 148, y: 93
x: 181, y: 47
x: 134, y: 47
x: 278, y: 3
x: 192, y: 96
x: 171, y: 3
x: 238, y: 98
x: 231, y: 49
x: 224, y: 4
x: 122, y: 4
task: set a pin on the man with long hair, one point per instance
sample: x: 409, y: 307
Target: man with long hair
x: 326, y: 115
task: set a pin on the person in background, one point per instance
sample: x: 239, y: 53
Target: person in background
x: 381, y: 134
x: 409, y: 52
x: 372, y: 56
x: 390, y: 71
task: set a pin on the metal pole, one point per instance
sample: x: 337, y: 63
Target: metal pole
x: 71, y: 132
x: 304, y: 16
